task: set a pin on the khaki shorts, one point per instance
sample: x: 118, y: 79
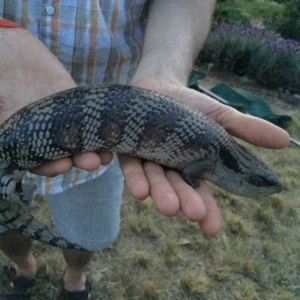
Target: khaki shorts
x: 89, y: 213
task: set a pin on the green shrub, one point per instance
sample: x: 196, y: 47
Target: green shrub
x: 264, y: 56
x: 291, y: 24
x: 226, y: 13
x: 244, y: 11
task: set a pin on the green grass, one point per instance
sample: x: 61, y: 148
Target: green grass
x: 249, y: 11
x: 260, y: 8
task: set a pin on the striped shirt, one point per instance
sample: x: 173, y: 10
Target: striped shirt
x: 97, y: 41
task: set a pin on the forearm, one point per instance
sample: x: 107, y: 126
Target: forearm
x: 175, y: 32
x: 28, y: 71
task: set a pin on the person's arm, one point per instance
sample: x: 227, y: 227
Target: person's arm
x: 29, y: 72
x: 175, y: 32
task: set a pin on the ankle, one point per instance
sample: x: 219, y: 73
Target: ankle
x: 74, y: 280
x: 26, y: 266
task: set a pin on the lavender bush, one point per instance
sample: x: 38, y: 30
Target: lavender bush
x: 246, y: 50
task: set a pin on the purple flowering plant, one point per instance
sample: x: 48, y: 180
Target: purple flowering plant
x: 265, y: 56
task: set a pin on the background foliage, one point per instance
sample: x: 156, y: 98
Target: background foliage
x: 245, y: 50
x: 258, y: 39
x: 290, y: 27
x: 282, y: 16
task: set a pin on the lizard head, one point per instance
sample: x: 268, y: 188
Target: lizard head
x: 242, y: 173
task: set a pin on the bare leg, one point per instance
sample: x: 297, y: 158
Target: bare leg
x: 77, y: 261
x: 17, y: 248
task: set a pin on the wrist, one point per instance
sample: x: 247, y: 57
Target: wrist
x: 163, y: 70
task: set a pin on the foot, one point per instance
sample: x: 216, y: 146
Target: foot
x: 20, y: 286
x: 76, y: 294
x: 74, y: 283
x: 26, y: 268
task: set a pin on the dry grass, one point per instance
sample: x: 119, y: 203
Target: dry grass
x: 256, y: 256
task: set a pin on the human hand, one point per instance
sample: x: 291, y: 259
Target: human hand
x: 169, y: 191
x: 29, y: 72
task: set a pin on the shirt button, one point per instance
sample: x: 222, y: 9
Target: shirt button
x: 50, y: 10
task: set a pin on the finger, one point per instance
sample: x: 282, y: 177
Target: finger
x: 91, y: 161
x: 161, y: 191
x: 211, y: 224
x: 134, y: 175
x: 88, y: 161
x: 256, y: 131
x: 54, y: 168
x: 252, y: 129
x: 105, y: 157
x: 191, y: 202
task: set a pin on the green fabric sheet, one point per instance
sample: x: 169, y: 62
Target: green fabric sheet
x: 243, y: 101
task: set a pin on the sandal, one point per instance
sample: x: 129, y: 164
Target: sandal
x: 78, y: 295
x: 20, y: 286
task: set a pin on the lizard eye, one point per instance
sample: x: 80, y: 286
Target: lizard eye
x: 262, y: 181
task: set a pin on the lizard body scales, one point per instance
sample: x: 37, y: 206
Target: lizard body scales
x: 121, y: 119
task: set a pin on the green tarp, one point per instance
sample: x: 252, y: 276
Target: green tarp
x: 243, y: 101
